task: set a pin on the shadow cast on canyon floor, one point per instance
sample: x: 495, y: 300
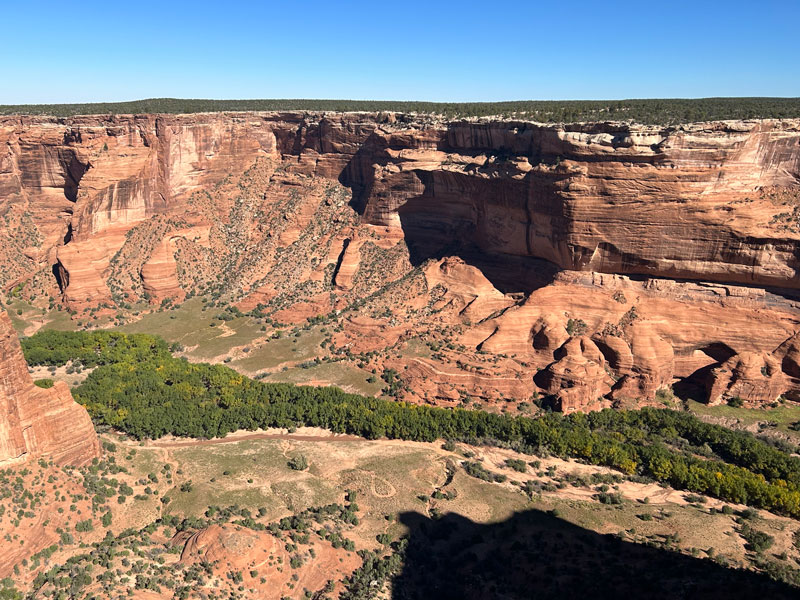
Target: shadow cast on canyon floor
x: 534, y: 554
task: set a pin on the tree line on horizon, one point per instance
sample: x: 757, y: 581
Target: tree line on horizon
x: 667, y: 111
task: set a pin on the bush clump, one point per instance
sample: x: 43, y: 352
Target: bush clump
x: 298, y: 463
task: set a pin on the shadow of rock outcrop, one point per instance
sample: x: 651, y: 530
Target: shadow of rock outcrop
x: 537, y: 555
x: 440, y: 215
x: 428, y: 239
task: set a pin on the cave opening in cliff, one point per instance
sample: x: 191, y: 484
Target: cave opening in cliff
x: 68, y: 234
x: 74, y: 170
x: 694, y: 385
x: 718, y: 351
x: 61, y: 275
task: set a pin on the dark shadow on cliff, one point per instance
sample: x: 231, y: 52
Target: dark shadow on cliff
x: 436, y: 222
x: 359, y: 173
x: 431, y: 237
x: 695, y: 385
x: 537, y: 555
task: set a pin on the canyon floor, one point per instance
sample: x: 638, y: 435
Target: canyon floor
x: 568, y: 536
x: 231, y: 518
x: 298, y: 354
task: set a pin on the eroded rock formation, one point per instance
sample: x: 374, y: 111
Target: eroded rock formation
x: 578, y: 379
x: 670, y: 253
x: 37, y: 422
x: 232, y: 548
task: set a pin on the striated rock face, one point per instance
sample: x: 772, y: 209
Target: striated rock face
x: 712, y: 201
x: 672, y: 250
x: 36, y: 422
x: 700, y: 202
x: 757, y: 378
x: 645, y: 367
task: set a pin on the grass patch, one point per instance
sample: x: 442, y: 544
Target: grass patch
x: 784, y: 415
x: 60, y: 320
x: 287, y: 349
x: 202, y: 496
x: 219, y: 340
x: 190, y: 325
x: 173, y: 325
x: 483, y: 501
x: 340, y: 374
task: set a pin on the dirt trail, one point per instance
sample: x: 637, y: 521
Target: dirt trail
x: 166, y: 456
x: 156, y: 444
x: 286, y: 446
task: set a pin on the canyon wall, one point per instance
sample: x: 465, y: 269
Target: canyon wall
x: 37, y: 422
x: 536, y: 232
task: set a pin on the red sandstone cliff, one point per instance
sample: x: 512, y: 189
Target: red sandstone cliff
x: 677, y: 248
x: 36, y: 422
x: 711, y: 201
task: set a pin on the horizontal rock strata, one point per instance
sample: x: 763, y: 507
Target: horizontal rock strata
x: 671, y: 250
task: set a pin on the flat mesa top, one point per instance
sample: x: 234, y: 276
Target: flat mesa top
x: 645, y: 111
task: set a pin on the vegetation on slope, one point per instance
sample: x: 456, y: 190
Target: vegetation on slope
x: 650, y: 111
x: 57, y: 348
x: 143, y: 390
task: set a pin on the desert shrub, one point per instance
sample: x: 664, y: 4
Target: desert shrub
x: 8, y: 590
x: 84, y: 526
x: 756, y: 541
x: 576, y: 326
x: 298, y: 463
x: 609, y: 497
x: 477, y: 470
x: 516, y: 464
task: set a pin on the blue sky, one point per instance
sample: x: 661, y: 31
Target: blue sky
x: 443, y: 51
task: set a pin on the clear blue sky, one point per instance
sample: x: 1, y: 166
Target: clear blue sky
x: 84, y: 51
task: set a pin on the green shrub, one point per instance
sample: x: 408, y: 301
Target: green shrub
x: 298, y: 463
x: 517, y: 464
x: 757, y: 541
x: 609, y: 498
x: 84, y: 526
